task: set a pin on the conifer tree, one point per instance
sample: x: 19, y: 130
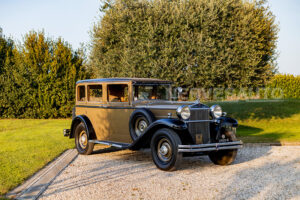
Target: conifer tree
x: 39, y: 80
x: 7, y: 50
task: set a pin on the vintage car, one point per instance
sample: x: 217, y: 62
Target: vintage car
x: 134, y: 113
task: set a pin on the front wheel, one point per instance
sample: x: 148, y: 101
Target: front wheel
x: 82, y: 143
x: 164, y: 149
x: 224, y: 157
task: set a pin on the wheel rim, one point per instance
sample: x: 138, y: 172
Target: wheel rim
x: 164, y: 150
x: 83, y: 139
x: 140, y: 126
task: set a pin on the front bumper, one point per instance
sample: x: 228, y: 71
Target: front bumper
x: 210, y: 147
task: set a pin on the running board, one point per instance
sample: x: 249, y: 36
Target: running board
x: 110, y: 143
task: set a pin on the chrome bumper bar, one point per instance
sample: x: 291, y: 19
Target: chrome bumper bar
x: 210, y: 147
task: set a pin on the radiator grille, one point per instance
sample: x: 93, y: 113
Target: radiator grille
x: 202, y: 127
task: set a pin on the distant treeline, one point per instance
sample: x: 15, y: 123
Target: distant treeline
x: 37, y: 77
x: 196, y: 44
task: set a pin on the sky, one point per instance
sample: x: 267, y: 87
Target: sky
x: 73, y: 20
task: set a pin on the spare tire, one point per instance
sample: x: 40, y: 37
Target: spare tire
x: 139, y: 120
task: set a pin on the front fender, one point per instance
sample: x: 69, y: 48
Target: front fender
x: 144, y: 140
x: 228, y: 122
x: 170, y: 123
x: 223, y: 123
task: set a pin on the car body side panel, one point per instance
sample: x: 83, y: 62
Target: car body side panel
x: 109, y: 123
x: 119, y: 124
x: 109, y: 120
x: 99, y: 120
x: 163, y: 113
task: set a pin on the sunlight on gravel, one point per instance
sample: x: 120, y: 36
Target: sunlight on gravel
x: 258, y: 173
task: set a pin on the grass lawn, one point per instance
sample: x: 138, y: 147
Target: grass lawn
x: 266, y: 121
x: 26, y: 146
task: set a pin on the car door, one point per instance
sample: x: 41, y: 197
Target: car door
x: 96, y: 111
x: 119, y: 110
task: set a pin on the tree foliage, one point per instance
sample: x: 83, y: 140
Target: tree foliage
x: 285, y: 86
x: 38, y: 80
x: 207, y: 43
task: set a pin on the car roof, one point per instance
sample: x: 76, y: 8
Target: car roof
x: 136, y: 80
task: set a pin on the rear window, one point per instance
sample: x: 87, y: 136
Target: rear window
x: 95, y: 93
x: 81, y: 93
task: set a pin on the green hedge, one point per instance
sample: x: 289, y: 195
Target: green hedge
x: 285, y: 86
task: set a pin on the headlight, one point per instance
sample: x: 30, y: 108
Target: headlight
x: 183, y: 112
x: 216, y: 111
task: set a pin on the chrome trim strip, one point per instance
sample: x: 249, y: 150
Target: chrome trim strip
x: 210, y: 149
x: 199, y: 121
x: 200, y: 108
x: 105, y: 107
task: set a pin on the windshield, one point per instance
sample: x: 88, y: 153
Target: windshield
x: 152, y: 92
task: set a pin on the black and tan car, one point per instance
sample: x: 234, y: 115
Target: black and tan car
x: 135, y: 113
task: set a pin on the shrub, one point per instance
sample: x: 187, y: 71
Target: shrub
x: 286, y: 86
x: 207, y: 43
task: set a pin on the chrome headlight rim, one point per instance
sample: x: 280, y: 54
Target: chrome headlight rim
x: 183, y: 112
x: 216, y: 111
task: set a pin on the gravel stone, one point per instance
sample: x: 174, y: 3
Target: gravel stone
x: 266, y: 172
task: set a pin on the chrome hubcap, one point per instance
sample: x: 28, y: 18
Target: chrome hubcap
x: 140, y: 126
x: 83, y: 140
x: 164, y: 150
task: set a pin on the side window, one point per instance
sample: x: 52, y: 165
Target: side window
x: 81, y: 93
x: 95, y: 93
x: 117, y: 93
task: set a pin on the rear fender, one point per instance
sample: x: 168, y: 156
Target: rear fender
x: 87, y: 123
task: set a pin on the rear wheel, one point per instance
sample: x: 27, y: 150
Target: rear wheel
x: 164, y: 149
x: 82, y: 143
x: 224, y: 157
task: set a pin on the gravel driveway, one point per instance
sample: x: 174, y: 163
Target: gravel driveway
x: 258, y: 173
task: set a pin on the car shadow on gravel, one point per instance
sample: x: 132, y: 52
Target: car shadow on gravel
x: 120, y: 165
x: 106, y: 150
x: 259, y: 151
x: 187, y: 161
